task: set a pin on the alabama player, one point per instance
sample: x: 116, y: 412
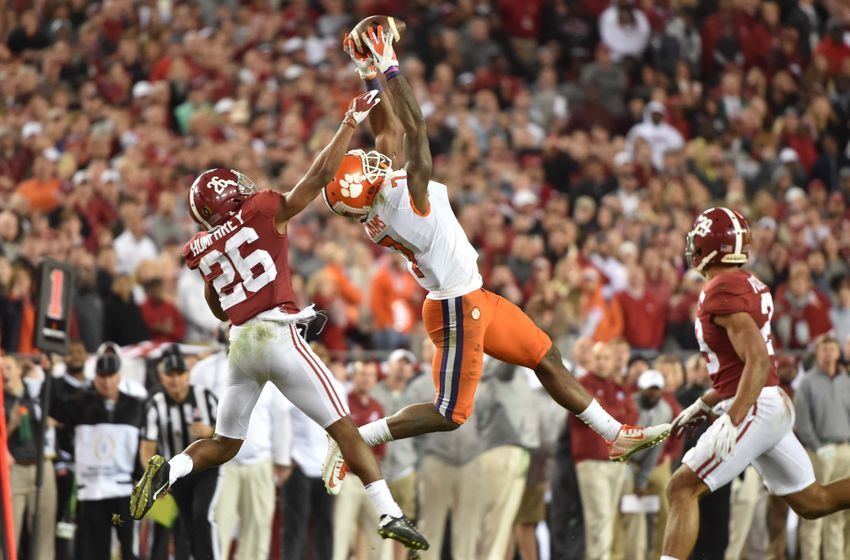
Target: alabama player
x: 406, y: 211
x: 756, y: 417
x: 243, y: 258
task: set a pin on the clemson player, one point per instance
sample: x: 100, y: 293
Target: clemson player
x: 406, y: 211
x: 756, y: 418
x: 243, y: 257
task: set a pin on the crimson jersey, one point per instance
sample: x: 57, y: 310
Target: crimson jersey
x: 732, y: 292
x: 246, y: 260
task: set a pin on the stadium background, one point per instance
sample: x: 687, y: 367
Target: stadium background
x: 540, y: 119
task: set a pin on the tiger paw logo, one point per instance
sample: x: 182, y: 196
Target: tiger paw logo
x: 351, y: 185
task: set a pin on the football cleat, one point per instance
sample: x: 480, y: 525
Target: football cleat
x: 153, y: 483
x: 334, y: 468
x: 402, y: 530
x: 631, y: 439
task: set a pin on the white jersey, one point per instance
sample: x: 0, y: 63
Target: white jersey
x: 438, y: 253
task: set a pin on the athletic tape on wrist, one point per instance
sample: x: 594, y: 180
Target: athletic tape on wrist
x: 391, y: 72
x: 374, y: 83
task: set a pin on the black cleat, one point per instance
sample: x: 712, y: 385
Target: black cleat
x: 402, y: 530
x: 153, y: 483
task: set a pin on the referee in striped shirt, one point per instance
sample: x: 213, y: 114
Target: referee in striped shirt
x: 176, y: 416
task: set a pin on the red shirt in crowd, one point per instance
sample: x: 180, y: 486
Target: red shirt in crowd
x: 674, y: 447
x: 644, y: 319
x: 797, y: 327
x: 163, y: 321
x: 586, y: 444
x: 364, y: 411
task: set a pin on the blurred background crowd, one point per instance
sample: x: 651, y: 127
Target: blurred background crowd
x: 578, y: 140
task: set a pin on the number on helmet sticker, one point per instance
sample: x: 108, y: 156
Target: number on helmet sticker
x: 703, y: 226
x: 232, y: 262
x: 218, y: 184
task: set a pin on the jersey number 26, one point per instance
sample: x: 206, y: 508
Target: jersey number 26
x: 232, y: 262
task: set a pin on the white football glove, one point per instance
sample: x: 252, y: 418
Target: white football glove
x: 722, y: 437
x: 690, y: 417
x: 360, y: 107
x: 381, y: 46
x: 363, y: 63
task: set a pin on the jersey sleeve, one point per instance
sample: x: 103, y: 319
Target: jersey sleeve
x: 264, y: 202
x: 733, y: 294
x: 192, y: 261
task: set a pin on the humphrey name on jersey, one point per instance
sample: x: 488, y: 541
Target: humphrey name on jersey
x: 201, y: 244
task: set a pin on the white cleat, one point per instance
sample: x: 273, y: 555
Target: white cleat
x: 632, y: 439
x: 334, y: 468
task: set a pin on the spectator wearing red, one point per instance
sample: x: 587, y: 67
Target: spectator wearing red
x: 833, y: 47
x: 644, y: 317
x: 162, y: 319
x: 600, y: 481
x: 802, y: 311
x: 393, y: 295
x: 353, y: 510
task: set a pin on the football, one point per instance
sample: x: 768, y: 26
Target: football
x: 390, y: 23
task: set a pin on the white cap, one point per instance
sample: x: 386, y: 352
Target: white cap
x: 31, y: 128
x: 650, y: 378
x: 80, y: 176
x: 142, y: 89
x: 51, y: 154
x: 628, y: 248
x: 524, y: 198
x: 110, y: 176
x: 766, y: 222
x: 788, y: 155
x: 656, y: 107
x: 293, y: 72
x: 401, y: 354
x: 293, y: 44
x: 622, y: 158
x: 794, y: 194
x: 224, y: 105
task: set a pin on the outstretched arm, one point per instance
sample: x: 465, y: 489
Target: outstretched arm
x: 327, y: 162
x: 416, y: 148
x: 382, y: 119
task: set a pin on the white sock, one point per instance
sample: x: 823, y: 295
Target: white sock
x: 381, y: 498
x: 668, y: 558
x: 376, y: 433
x: 181, y: 465
x: 602, y: 423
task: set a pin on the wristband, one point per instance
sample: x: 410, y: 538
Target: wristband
x: 391, y: 72
x: 374, y: 83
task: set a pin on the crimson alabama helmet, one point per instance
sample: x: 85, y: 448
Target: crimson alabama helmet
x: 217, y: 193
x: 719, y: 235
x: 357, y: 181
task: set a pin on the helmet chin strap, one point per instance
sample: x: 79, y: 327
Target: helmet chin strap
x: 705, y: 261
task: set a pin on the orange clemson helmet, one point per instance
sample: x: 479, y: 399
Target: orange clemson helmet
x: 357, y: 181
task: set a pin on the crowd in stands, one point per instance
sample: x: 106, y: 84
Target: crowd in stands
x: 578, y: 140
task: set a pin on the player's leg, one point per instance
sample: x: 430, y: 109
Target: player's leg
x: 788, y: 473
x: 683, y: 494
x: 457, y: 327
x: 514, y: 338
x: 763, y: 429
x: 234, y: 414
x: 308, y: 384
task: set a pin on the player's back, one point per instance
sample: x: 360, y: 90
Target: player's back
x: 245, y: 260
x: 728, y: 293
x: 438, y: 253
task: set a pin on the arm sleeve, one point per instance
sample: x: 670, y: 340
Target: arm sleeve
x: 804, y: 425
x: 150, y: 426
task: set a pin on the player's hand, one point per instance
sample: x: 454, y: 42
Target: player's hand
x: 360, y: 107
x: 281, y: 473
x: 380, y: 43
x: 722, y: 437
x: 199, y: 430
x: 690, y: 417
x: 362, y: 62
